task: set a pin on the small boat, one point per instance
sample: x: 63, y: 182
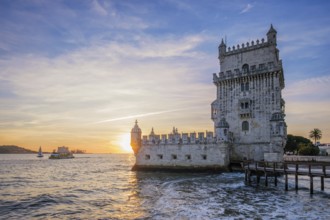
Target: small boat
x: 62, y: 153
x: 40, y: 152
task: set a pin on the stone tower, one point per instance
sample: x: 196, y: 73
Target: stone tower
x: 136, y: 138
x: 248, y: 112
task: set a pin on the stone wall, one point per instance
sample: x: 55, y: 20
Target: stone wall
x: 212, y: 156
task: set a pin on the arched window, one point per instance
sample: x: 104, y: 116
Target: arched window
x: 245, y: 126
x: 247, y: 86
x: 242, y: 87
x: 245, y: 68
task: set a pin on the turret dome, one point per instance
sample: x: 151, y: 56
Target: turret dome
x: 152, y: 131
x: 271, y: 30
x: 136, y: 128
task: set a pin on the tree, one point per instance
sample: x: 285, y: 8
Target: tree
x: 315, y: 134
x: 308, y: 149
x: 293, y: 142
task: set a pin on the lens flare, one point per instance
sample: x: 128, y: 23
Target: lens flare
x: 124, y: 143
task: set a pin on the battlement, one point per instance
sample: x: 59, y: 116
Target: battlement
x: 271, y: 41
x: 254, y: 56
x: 246, y: 47
x: 179, y: 138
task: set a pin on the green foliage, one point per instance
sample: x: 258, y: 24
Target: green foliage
x: 293, y: 142
x: 308, y: 149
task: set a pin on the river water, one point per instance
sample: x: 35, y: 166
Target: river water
x: 102, y: 186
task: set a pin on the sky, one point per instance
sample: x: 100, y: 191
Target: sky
x: 79, y: 73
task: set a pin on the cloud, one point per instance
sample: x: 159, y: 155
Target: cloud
x: 138, y: 116
x: 247, y: 8
x: 307, y: 104
x: 309, y: 89
x: 98, y: 8
x: 118, y: 80
x: 296, y: 37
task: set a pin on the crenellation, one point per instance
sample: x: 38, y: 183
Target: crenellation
x: 177, y: 138
x: 247, y: 46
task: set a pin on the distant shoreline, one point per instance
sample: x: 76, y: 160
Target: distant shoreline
x: 12, y: 149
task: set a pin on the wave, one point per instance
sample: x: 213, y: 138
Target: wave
x: 31, y: 204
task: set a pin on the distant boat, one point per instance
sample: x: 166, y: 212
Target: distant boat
x: 40, y: 152
x: 62, y: 153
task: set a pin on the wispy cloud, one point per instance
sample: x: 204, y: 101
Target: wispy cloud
x: 296, y: 37
x: 247, y: 8
x: 312, y: 87
x: 307, y: 105
x: 98, y: 8
x: 138, y: 116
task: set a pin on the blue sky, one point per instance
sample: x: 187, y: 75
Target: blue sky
x: 78, y: 73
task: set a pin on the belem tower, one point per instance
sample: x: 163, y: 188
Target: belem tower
x: 248, y: 116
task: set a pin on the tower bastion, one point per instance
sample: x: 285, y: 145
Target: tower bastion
x: 248, y: 115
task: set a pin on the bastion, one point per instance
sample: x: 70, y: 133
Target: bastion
x: 248, y: 116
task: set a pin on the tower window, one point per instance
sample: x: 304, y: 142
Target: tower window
x: 270, y: 65
x: 204, y: 157
x: 261, y: 66
x: 147, y: 157
x: 160, y: 156
x: 245, y: 126
x: 245, y: 68
x: 188, y: 157
x: 244, y: 105
x: 245, y: 87
x: 174, y: 157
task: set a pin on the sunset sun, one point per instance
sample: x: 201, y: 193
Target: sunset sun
x: 124, y: 143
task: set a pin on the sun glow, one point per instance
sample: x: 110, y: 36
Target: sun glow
x: 124, y: 143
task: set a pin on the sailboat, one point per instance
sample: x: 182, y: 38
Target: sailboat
x: 40, y: 152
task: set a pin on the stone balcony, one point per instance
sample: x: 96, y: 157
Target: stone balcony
x: 222, y: 76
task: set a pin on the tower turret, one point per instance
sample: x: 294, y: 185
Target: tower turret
x: 136, y: 137
x: 271, y: 35
x: 152, y: 137
x: 222, y: 50
x: 221, y: 131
